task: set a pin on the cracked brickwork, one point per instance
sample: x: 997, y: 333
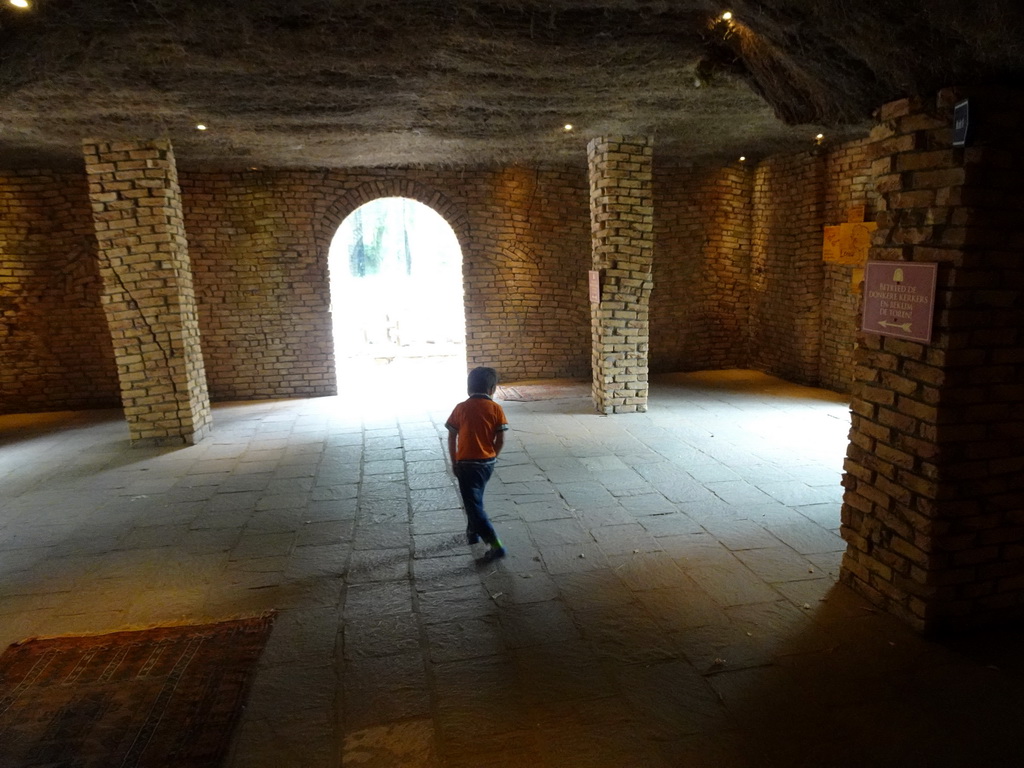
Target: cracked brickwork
x: 147, y: 290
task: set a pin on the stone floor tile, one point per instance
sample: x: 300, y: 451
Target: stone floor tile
x: 585, y: 494
x: 379, y: 598
x: 410, y: 743
x: 593, y: 733
x: 441, y: 573
x: 778, y: 563
x: 645, y: 504
x: 671, y: 698
x: 443, y: 521
x: 380, y: 690
x: 538, y: 623
x: 382, y: 535
x: 537, y: 511
x: 682, y: 653
x: 378, y: 565
x: 625, y: 637
x: 737, y: 534
x: 260, y: 544
x: 593, y: 590
x: 465, y: 638
x: 573, y: 558
x: 807, y: 539
x: 380, y: 636
x: 729, y: 582
x: 631, y: 538
x: 519, y: 588
x: 559, y: 532
x: 670, y: 524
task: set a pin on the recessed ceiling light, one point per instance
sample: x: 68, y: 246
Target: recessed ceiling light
x: 820, y: 136
x: 567, y: 127
x: 19, y: 3
x: 727, y: 16
x: 743, y: 159
x: 200, y: 127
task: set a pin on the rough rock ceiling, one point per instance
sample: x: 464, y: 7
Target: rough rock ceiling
x: 348, y: 83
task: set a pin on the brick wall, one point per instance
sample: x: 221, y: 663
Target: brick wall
x: 261, y: 286
x: 260, y: 240
x: 935, y: 468
x: 849, y: 181
x: 805, y: 313
x: 147, y: 290
x: 787, y: 274
x: 258, y: 244
x: 700, y: 304
x: 622, y: 235
x: 54, y: 343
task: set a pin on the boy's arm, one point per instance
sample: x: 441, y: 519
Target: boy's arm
x: 453, y: 438
x: 499, y: 442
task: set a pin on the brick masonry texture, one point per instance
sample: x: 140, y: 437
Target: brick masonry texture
x: 787, y: 273
x: 147, y: 290
x: 622, y: 231
x: 739, y: 280
x: 700, y: 305
x: 258, y: 244
x: 54, y: 343
x: 848, y: 182
x: 934, y: 505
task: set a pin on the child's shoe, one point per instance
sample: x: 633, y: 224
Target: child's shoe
x: 496, y: 552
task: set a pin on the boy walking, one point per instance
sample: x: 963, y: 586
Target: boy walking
x: 476, y: 435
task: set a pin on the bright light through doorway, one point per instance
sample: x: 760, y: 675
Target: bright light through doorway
x: 397, y: 304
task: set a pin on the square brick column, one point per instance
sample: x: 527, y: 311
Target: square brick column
x: 147, y: 290
x: 622, y: 236
x: 934, y: 508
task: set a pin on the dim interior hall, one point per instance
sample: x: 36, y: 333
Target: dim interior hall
x: 670, y: 196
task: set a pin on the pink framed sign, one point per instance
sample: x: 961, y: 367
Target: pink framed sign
x: 899, y: 299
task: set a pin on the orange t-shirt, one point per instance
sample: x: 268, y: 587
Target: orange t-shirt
x: 476, y: 421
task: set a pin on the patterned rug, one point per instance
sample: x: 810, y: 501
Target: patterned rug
x: 547, y: 390
x: 169, y: 696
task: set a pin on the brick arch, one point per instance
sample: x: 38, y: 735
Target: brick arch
x: 369, y: 191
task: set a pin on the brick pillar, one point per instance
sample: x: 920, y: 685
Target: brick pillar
x: 622, y: 236
x: 934, y: 508
x: 147, y: 295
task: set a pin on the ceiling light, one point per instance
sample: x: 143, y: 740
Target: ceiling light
x: 200, y: 127
x: 19, y: 3
x: 820, y: 136
x: 567, y: 127
x: 743, y: 159
x: 727, y: 16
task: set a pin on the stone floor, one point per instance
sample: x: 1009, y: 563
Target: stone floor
x: 670, y: 596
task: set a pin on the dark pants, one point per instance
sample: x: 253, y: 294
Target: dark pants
x: 473, y: 477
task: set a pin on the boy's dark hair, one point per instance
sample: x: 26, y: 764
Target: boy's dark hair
x: 481, y: 380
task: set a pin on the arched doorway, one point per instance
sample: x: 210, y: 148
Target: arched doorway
x: 397, y: 302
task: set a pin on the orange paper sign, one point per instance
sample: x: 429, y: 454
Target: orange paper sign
x: 851, y: 244
x: 830, y: 245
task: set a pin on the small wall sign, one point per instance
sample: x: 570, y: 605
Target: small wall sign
x: 899, y: 299
x: 595, y: 286
x: 848, y: 243
x: 961, y: 123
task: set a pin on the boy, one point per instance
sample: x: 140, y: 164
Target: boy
x: 476, y: 435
